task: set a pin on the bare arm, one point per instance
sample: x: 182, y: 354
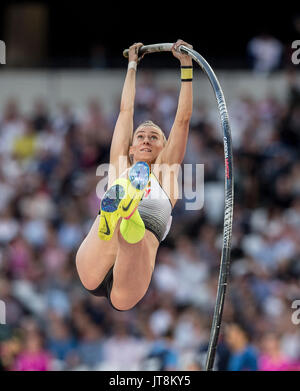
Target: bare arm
x: 124, y: 126
x: 174, y: 150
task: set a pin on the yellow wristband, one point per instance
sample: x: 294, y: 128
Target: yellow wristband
x: 186, y: 73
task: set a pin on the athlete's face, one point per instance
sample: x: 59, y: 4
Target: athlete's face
x: 147, y: 143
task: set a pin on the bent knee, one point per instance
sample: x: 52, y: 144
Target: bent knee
x: 89, y: 280
x: 122, y: 307
x: 123, y: 302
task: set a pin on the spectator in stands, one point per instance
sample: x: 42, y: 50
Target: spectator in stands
x: 33, y: 357
x: 162, y: 355
x: 271, y: 357
x: 265, y: 53
x: 243, y: 355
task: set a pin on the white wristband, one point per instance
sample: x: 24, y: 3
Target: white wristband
x: 132, y: 64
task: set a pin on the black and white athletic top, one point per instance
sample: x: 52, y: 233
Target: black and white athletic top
x: 155, y: 209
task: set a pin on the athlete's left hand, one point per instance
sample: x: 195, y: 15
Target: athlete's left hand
x: 185, y: 59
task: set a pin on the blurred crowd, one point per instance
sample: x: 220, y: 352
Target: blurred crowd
x: 48, y: 201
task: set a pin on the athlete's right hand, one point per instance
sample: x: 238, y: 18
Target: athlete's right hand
x: 133, y: 52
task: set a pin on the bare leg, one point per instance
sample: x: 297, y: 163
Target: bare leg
x: 133, y: 271
x: 133, y: 265
x: 95, y: 257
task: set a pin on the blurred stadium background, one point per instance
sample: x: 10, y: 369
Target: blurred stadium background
x: 59, y: 99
